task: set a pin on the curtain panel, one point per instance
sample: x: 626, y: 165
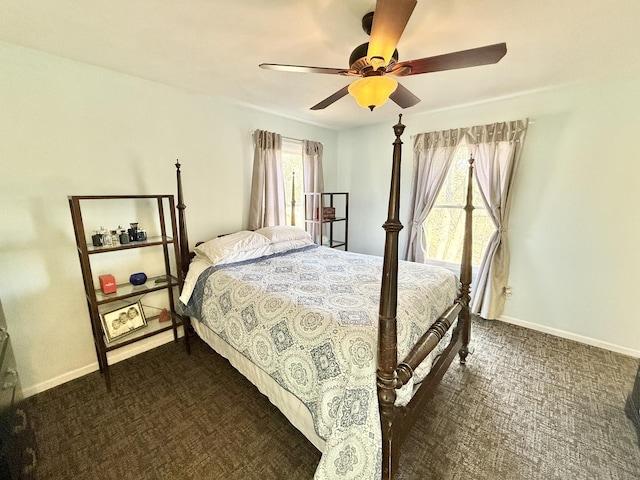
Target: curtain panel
x: 432, y: 156
x: 497, y: 149
x: 313, y: 180
x: 267, y: 203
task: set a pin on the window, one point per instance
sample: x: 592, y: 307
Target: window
x: 444, y: 226
x: 292, y: 174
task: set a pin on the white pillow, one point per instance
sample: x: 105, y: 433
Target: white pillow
x: 287, y: 245
x: 234, y: 247
x: 284, y: 233
x: 251, y: 254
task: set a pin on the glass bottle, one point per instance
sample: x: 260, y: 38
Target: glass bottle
x: 106, y: 237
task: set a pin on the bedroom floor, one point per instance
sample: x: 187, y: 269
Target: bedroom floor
x: 527, y: 406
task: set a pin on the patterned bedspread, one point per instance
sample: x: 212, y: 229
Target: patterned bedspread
x: 309, y: 319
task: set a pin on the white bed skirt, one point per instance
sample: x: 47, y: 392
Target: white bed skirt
x: 292, y: 408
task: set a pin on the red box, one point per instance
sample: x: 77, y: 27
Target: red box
x: 107, y: 284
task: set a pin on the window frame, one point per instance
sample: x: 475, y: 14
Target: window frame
x: 478, y: 204
x: 292, y: 147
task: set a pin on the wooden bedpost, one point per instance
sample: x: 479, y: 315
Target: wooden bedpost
x: 465, y: 269
x: 182, y: 225
x: 387, y: 327
x: 293, y: 198
x: 185, y: 255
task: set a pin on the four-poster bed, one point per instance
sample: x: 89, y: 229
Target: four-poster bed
x: 335, y: 368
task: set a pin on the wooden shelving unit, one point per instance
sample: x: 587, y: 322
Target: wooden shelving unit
x: 169, y: 281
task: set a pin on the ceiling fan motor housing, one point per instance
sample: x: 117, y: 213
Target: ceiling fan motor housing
x: 367, y: 22
x: 358, y: 59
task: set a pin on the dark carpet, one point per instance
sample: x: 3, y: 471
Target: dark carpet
x: 527, y: 406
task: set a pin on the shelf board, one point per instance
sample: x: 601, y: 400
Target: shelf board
x: 127, y: 290
x: 149, y: 242
x: 153, y: 327
x: 335, y: 243
x: 327, y: 220
x: 116, y: 197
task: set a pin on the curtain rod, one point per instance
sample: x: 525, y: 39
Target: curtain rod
x: 530, y: 121
x: 287, y: 138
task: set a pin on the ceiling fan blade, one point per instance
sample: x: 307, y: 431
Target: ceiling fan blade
x: 304, y: 69
x: 403, y: 97
x: 389, y: 20
x: 333, y: 98
x: 450, y: 61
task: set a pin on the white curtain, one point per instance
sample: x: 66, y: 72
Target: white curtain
x: 313, y: 183
x: 267, y: 204
x: 497, y: 149
x: 432, y: 155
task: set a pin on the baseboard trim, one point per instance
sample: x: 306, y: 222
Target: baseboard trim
x: 571, y: 336
x: 113, y: 357
x: 59, y: 380
x: 166, y: 337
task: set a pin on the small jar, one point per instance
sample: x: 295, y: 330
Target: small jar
x: 133, y: 231
x: 96, y: 238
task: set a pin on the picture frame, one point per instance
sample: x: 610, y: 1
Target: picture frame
x: 123, y: 321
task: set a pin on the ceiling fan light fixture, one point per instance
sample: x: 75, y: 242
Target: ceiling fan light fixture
x: 374, y: 91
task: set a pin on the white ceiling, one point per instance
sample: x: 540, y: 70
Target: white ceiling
x: 214, y: 47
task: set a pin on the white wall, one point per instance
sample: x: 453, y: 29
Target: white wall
x: 574, y: 224
x: 70, y: 129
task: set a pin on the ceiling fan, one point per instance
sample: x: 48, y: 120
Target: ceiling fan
x: 376, y: 60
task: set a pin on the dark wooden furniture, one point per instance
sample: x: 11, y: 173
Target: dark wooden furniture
x: 17, y: 437
x: 98, y: 303
x: 338, y: 203
x: 391, y: 374
x: 633, y: 405
x: 10, y: 391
